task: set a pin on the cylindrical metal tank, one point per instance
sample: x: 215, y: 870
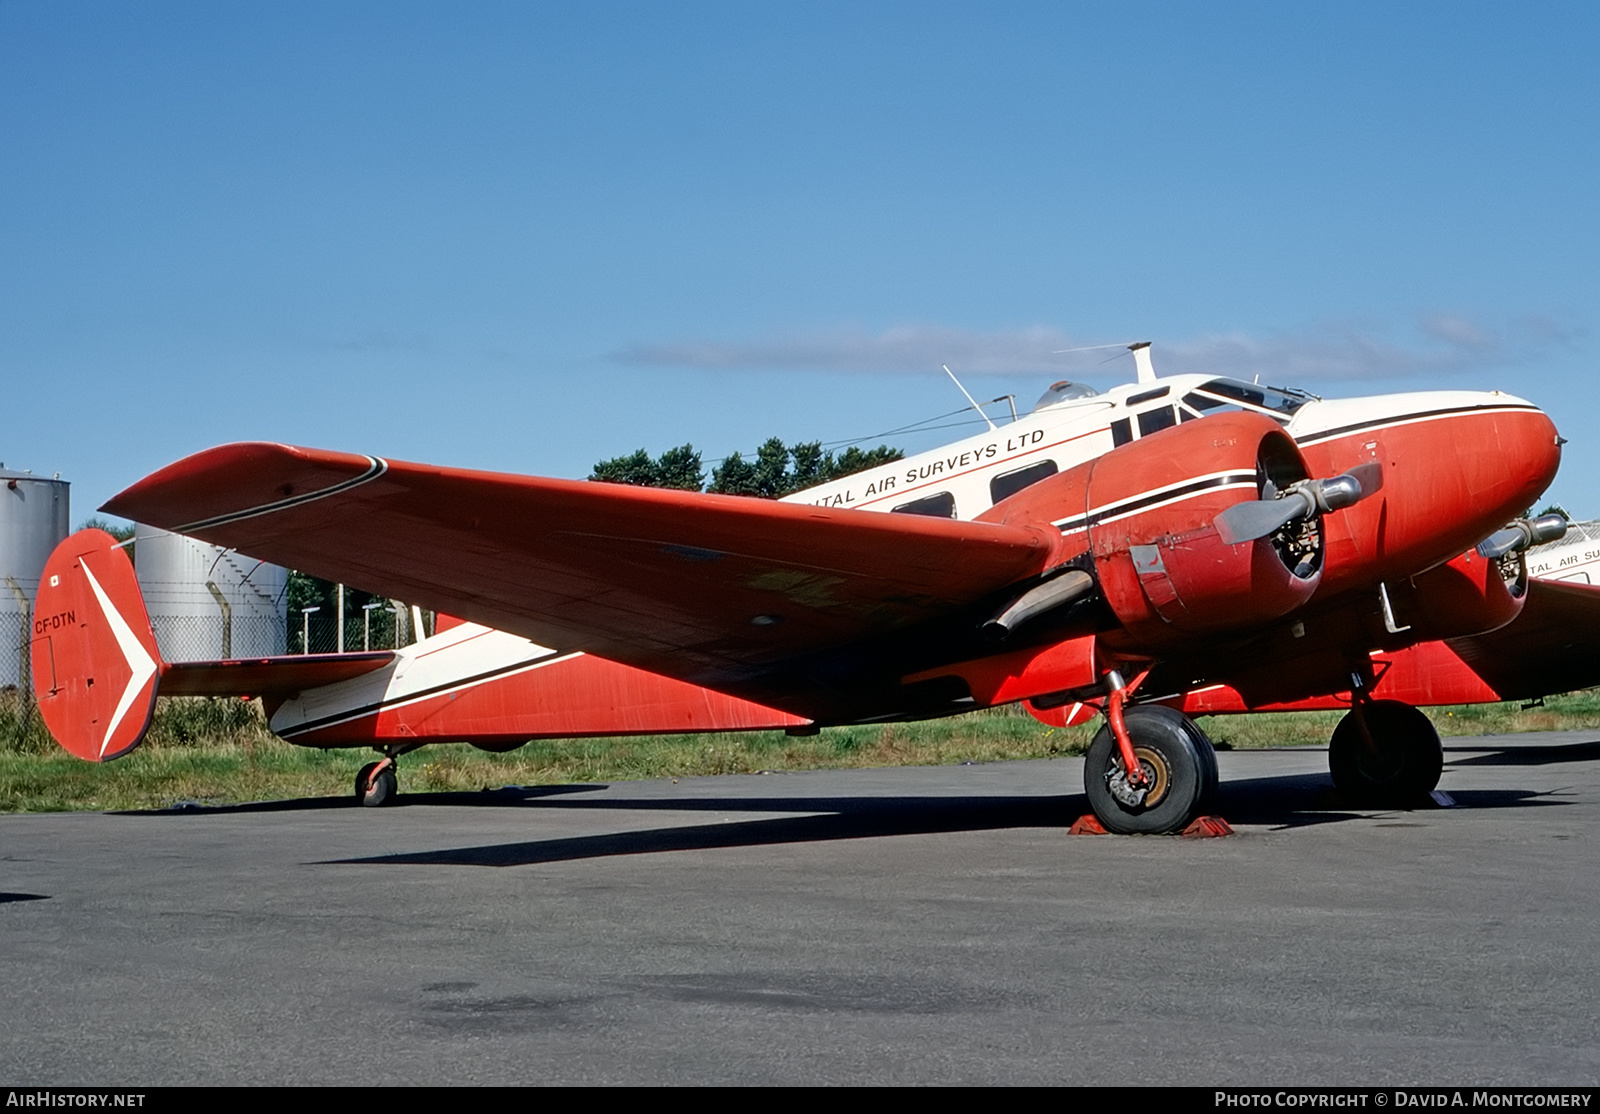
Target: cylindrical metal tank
x: 206, y: 602
x: 34, y: 517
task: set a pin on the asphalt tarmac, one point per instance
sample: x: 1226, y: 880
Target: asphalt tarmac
x: 933, y: 925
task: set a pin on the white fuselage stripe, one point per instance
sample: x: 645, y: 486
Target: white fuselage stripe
x: 407, y: 699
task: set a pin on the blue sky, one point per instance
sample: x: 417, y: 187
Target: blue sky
x: 527, y: 236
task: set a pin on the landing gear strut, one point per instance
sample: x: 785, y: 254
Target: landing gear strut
x: 1385, y: 753
x: 1177, y: 772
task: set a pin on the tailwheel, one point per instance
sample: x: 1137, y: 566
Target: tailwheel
x: 1178, y: 772
x: 376, y: 784
x: 1395, y: 761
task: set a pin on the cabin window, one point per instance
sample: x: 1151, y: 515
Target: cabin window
x: 1121, y: 432
x: 1007, y: 484
x: 1152, y: 421
x: 1147, y: 396
x: 941, y: 505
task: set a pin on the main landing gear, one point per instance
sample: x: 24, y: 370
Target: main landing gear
x: 1177, y: 771
x: 1385, y: 754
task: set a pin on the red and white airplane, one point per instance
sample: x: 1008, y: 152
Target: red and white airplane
x: 1183, y: 544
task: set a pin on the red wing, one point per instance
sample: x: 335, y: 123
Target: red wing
x: 706, y: 588
x: 1553, y: 646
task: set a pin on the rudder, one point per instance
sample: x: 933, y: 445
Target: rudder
x: 96, y: 667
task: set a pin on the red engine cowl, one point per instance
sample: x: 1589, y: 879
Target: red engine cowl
x: 1469, y: 595
x: 1145, y: 512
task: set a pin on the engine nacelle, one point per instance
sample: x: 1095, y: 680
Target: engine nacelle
x: 1143, y: 514
x: 1471, y: 594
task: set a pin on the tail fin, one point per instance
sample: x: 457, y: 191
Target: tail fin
x: 95, y: 663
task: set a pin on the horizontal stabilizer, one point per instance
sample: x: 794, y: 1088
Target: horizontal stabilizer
x: 268, y: 677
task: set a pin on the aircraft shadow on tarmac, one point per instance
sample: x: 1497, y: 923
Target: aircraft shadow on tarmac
x: 1526, y: 755
x: 1280, y: 802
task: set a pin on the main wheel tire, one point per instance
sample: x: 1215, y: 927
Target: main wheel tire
x: 1408, y: 763
x: 375, y: 792
x: 1208, y: 756
x: 1175, y: 755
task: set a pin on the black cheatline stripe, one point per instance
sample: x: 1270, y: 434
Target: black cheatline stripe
x: 1397, y: 419
x: 376, y: 466
x: 1138, y: 501
x: 420, y: 694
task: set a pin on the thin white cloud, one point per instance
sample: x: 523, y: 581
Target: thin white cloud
x: 1438, y: 344
x: 905, y: 348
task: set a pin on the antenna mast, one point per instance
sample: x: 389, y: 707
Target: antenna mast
x: 970, y: 399
x: 1141, y: 361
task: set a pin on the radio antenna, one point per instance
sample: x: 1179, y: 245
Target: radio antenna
x: 970, y: 399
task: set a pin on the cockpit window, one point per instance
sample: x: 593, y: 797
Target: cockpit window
x: 1154, y: 421
x: 1223, y: 392
x: 1064, y: 391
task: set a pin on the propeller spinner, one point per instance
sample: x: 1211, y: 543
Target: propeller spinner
x: 1523, y: 534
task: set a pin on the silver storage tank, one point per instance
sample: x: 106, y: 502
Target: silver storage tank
x: 206, y: 602
x: 34, y: 518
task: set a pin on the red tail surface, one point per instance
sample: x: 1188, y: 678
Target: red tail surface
x: 95, y: 662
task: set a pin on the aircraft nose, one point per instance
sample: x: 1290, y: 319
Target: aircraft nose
x: 1504, y: 457
x: 1530, y: 452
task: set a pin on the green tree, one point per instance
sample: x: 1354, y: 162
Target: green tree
x: 736, y: 476
x: 676, y: 468
x: 121, y: 533
x: 809, y: 465
x: 776, y: 471
x: 680, y: 468
x: 311, y: 591
x: 854, y: 460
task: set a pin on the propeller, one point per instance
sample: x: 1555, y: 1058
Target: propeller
x: 1522, y: 534
x: 1245, y: 522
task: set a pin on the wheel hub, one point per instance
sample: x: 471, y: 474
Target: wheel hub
x: 1150, y: 791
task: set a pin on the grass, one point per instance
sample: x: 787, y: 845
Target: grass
x: 216, y: 751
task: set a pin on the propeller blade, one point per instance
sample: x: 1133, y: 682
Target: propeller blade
x: 1369, y: 476
x: 1501, y: 542
x: 1245, y: 522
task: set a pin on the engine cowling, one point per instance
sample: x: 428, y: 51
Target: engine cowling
x: 1471, y: 594
x: 1143, y: 516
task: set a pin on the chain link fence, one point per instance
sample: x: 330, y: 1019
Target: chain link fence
x: 210, y: 637
x: 378, y: 629
x: 15, y: 635
x: 215, y: 637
